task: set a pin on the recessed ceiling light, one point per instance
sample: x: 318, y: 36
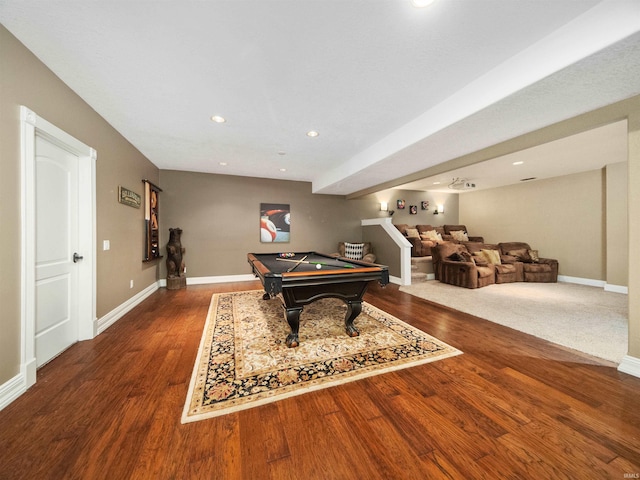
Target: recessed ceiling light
x: 421, y: 3
x: 436, y: 183
x: 218, y: 119
x: 283, y: 169
x: 517, y: 163
x: 224, y: 164
x: 281, y: 152
x: 312, y: 133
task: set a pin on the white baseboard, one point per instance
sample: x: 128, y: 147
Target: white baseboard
x: 630, y: 365
x: 205, y: 280
x: 594, y: 283
x: 221, y: 279
x: 12, y: 389
x: 114, y: 315
x: 582, y: 281
x: 616, y: 288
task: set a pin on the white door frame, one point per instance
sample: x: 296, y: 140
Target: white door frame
x: 30, y: 126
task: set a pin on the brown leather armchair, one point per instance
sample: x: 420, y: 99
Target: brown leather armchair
x: 461, y: 271
x: 448, y: 229
x: 535, y: 269
x: 421, y: 246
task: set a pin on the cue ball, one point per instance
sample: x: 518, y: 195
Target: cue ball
x: 318, y: 266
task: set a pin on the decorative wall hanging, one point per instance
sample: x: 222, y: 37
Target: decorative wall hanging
x: 129, y: 197
x: 275, y: 223
x: 400, y: 204
x: 413, y: 209
x: 425, y: 205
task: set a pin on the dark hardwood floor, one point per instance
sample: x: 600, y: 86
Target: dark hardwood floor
x: 511, y: 407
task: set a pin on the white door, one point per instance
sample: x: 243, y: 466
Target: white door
x: 57, y: 240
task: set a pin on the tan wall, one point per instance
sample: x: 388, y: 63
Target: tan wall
x: 413, y: 197
x: 26, y: 81
x: 384, y: 248
x: 617, y: 232
x: 219, y: 216
x: 561, y: 217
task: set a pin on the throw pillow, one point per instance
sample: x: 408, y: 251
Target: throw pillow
x: 466, y: 256
x: 533, y: 254
x: 492, y: 256
x: 479, y: 259
x: 432, y: 235
x: 412, y: 232
x: 353, y: 250
x: 520, y: 254
x: 460, y: 235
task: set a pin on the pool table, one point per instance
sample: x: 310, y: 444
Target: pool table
x: 302, y: 278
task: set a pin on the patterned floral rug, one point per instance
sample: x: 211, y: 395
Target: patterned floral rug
x: 243, y: 360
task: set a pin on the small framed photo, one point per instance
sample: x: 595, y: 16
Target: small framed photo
x: 400, y: 204
x: 413, y: 209
x: 425, y: 205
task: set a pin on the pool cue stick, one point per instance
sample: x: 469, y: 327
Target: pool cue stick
x: 316, y: 263
x: 298, y: 263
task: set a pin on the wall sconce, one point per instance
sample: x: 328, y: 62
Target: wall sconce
x: 384, y: 207
x: 438, y: 209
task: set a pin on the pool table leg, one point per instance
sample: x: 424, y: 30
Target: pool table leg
x: 293, y: 319
x: 353, y: 310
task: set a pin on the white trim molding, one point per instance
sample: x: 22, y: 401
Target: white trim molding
x: 616, y: 288
x: 582, y: 281
x: 121, y: 310
x: 32, y: 126
x: 206, y: 280
x: 608, y: 287
x: 630, y: 365
x: 12, y: 389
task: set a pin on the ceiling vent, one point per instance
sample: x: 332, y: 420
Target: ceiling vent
x: 461, y: 184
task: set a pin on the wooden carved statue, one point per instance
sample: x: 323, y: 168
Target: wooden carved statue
x: 175, y: 263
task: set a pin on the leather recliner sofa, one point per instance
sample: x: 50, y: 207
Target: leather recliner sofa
x: 476, y: 264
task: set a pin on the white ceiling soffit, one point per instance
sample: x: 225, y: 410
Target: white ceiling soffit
x: 391, y: 89
x: 585, y: 151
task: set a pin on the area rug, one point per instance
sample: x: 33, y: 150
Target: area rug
x: 581, y: 317
x: 243, y: 360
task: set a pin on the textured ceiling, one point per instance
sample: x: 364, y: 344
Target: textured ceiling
x: 392, y: 89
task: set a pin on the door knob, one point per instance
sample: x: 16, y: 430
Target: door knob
x: 77, y: 257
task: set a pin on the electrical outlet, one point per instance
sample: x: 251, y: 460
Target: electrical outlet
x: 130, y: 283
x: 106, y: 245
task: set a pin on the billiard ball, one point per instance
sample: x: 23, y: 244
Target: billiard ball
x: 318, y: 266
x: 267, y: 230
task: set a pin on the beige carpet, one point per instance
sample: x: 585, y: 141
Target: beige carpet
x: 243, y: 360
x: 580, y: 317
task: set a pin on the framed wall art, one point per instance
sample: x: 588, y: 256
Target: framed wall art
x: 275, y: 223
